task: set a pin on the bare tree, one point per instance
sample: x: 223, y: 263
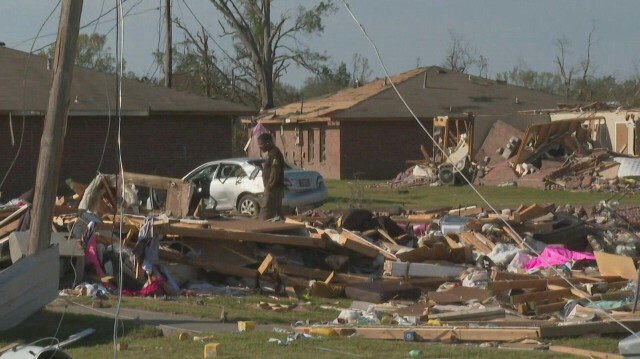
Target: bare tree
x: 265, y: 49
x: 566, y: 71
x: 460, y: 54
x: 586, y: 67
x: 361, y: 71
x: 483, y: 66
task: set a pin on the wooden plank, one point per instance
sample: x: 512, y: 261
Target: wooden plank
x: 452, y: 242
x: 9, y: 347
x: 548, y: 308
x: 450, y: 333
x: 15, y: 215
x: 501, y: 275
x: 477, y: 314
x: 348, y: 238
x: 226, y: 235
x: 386, y: 236
x: 437, y: 252
x: 266, y: 263
x: 531, y: 212
x: 513, y: 236
x: 202, y: 263
x: 579, y: 329
x: 9, y: 227
x: 541, y: 296
x: 357, y: 246
x: 318, y: 274
x: 501, y: 286
x: 477, y: 243
x: 583, y: 352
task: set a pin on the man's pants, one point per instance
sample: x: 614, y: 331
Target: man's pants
x: 272, y: 204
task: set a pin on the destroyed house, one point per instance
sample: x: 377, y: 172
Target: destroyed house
x: 368, y: 132
x: 164, y: 131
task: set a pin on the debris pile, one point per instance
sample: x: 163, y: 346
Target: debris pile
x: 565, y: 154
x: 442, y: 274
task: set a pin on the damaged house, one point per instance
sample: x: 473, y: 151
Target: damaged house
x: 164, y: 132
x: 367, y: 131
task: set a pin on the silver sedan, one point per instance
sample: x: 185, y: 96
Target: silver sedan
x: 236, y: 183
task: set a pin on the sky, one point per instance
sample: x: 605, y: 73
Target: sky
x: 408, y: 33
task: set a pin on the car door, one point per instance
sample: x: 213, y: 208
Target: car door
x: 226, y: 186
x: 202, y: 182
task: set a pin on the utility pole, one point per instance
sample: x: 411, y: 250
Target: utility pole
x: 55, y: 123
x: 168, y: 45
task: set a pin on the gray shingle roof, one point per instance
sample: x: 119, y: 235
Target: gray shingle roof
x: 91, y: 87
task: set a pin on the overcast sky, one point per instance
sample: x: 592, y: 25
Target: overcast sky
x: 407, y: 32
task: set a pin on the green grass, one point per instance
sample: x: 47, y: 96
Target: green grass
x: 235, y: 308
x: 145, y: 342
x: 378, y: 194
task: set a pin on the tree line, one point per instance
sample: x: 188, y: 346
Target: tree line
x: 264, y: 47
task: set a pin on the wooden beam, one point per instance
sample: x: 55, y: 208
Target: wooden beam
x: 358, y: 244
x: 450, y: 333
x: 583, y: 352
x: 473, y: 314
x: 318, y: 274
x: 541, y: 296
x: 266, y: 263
x: 220, y: 234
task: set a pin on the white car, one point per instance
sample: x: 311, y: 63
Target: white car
x: 236, y: 183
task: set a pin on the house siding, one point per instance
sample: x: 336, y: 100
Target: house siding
x: 296, y: 154
x: 167, y: 146
x: 380, y: 149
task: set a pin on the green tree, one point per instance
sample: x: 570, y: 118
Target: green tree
x: 327, y: 80
x: 92, y: 53
x: 265, y: 49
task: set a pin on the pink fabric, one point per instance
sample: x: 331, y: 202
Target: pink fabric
x: 555, y: 256
x: 91, y: 257
x: 147, y: 290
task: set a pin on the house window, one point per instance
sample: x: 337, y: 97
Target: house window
x: 310, y: 145
x: 323, y: 147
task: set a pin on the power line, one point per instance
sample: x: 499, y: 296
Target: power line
x: 81, y: 27
x: 120, y: 56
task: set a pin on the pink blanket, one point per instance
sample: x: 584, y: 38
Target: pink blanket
x: 555, y: 256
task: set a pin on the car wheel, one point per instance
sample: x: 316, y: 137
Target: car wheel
x: 249, y: 204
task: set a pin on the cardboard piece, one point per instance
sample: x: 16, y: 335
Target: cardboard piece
x: 615, y: 265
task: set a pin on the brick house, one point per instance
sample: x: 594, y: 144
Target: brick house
x: 368, y: 131
x: 164, y: 132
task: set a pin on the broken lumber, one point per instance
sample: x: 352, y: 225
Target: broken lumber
x: 473, y: 314
x: 583, y: 352
x: 541, y: 296
x: 219, y: 234
x: 358, y: 244
x: 317, y: 274
x: 447, y: 334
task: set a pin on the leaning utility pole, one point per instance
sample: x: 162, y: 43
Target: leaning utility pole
x: 168, y: 44
x: 55, y: 123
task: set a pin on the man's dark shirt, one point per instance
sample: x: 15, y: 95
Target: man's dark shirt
x: 273, y: 169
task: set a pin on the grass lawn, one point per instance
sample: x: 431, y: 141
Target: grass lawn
x: 375, y: 194
x: 235, y: 308
x: 147, y: 342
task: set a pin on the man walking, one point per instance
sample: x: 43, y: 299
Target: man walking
x: 272, y: 177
